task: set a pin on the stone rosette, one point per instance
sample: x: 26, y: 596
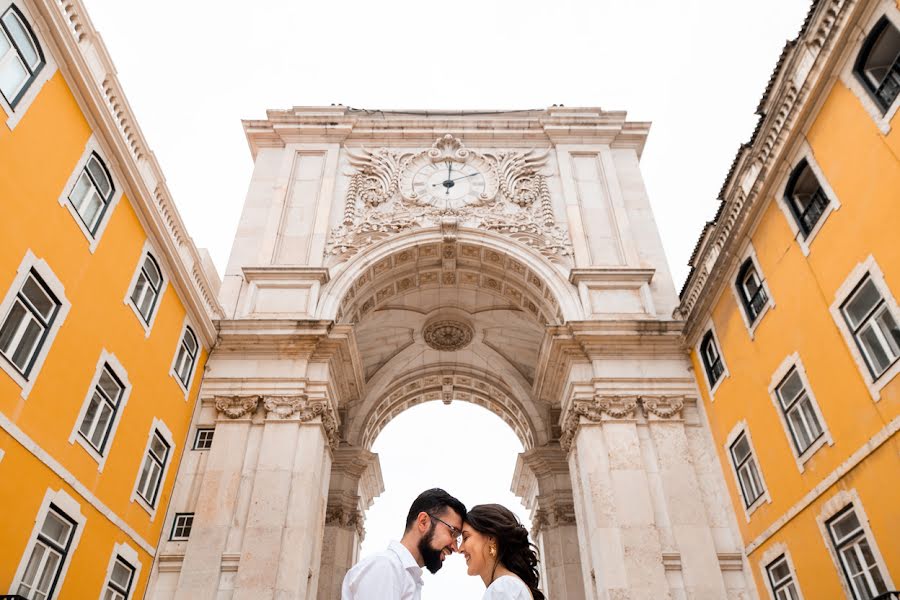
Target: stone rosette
x: 448, y: 335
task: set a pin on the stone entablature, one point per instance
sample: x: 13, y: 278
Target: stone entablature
x: 803, y: 70
x: 297, y: 408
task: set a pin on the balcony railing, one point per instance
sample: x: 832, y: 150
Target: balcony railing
x: 895, y: 595
x: 890, y: 86
x: 757, y: 303
x: 810, y: 215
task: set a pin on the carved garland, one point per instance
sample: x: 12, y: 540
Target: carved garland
x: 617, y: 407
x: 516, y: 202
x: 283, y: 407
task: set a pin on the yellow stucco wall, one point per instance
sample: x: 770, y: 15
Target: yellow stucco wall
x: 36, y: 160
x: 862, y: 167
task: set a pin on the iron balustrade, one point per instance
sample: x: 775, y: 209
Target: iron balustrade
x: 810, y: 215
x: 757, y: 302
x: 890, y: 86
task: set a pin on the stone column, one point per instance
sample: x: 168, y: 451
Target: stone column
x: 543, y: 482
x: 622, y: 549
x: 355, y: 483
x: 218, y: 497
x: 286, y: 517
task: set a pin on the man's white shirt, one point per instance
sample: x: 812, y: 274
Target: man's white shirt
x: 389, y: 575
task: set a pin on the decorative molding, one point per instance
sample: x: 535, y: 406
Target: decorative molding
x: 556, y: 514
x: 345, y: 518
x: 516, y: 201
x: 448, y: 335
x: 235, y: 407
x: 284, y: 406
x: 322, y: 410
x: 604, y: 407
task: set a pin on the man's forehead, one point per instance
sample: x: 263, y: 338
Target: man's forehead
x: 451, y: 516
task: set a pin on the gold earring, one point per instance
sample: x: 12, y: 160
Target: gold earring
x: 492, y: 550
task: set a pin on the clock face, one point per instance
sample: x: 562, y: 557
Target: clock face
x: 448, y: 184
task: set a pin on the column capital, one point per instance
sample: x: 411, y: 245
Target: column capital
x: 553, y: 510
x: 345, y: 515
x: 236, y: 407
x: 606, y: 407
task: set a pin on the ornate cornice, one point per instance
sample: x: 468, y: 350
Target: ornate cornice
x: 236, y: 407
x: 802, y: 73
x: 603, y: 407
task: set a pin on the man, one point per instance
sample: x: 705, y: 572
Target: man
x: 433, y: 530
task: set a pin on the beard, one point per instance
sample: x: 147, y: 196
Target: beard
x: 430, y: 556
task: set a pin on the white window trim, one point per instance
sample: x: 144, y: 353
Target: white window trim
x: 765, y: 497
x: 90, y: 148
x: 72, y: 510
x: 29, y: 262
x: 886, y: 8
x: 75, y: 437
x: 793, y: 362
x: 160, y: 426
x: 802, y: 152
x: 172, y: 526
x: 130, y: 555
x: 49, y: 69
x: 870, y: 267
x: 831, y: 508
x: 725, y: 374
x: 768, y: 557
x: 197, y: 431
x: 750, y: 253
x: 186, y: 389
x: 148, y: 249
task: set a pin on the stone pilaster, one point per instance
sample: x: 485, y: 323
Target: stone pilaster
x: 218, y: 499
x: 355, y: 483
x: 542, y: 480
x: 287, y: 503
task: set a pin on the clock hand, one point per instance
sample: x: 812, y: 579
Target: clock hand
x: 455, y: 179
x: 464, y: 176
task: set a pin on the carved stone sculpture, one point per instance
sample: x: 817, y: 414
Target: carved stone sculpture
x: 235, y: 407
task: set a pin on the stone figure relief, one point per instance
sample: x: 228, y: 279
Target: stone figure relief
x: 505, y: 192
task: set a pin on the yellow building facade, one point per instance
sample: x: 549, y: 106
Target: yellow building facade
x: 791, y: 314
x: 105, y: 319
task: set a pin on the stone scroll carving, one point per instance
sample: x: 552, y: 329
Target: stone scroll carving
x: 346, y: 518
x: 515, y: 202
x: 554, y: 516
x: 235, y: 407
x: 603, y: 407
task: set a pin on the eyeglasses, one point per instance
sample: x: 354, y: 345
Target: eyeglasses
x: 456, y: 533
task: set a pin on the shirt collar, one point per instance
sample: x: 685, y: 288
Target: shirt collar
x: 406, y: 559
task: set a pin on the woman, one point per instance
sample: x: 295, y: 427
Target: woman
x: 496, y: 548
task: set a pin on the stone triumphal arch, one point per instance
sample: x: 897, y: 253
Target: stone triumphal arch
x: 508, y: 259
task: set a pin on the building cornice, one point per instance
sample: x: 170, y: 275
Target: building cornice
x: 340, y: 124
x: 90, y: 72
x: 801, y: 75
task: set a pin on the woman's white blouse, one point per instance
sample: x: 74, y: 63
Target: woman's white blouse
x: 507, y: 587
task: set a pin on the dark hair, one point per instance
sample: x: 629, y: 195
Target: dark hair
x: 514, y: 550
x: 433, y: 501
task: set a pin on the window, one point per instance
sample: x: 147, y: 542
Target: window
x: 747, y: 472
x: 750, y: 289
x: 782, y: 580
x: 47, y: 556
x: 21, y: 58
x: 152, y: 470
x: 878, y: 63
x: 147, y: 288
x: 203, y: 439
x: 856, y: 555
x: 118, y: 587
x: 92, y: 193
x: 873, y: 327
x: 181, y: 527
x: 712, y: 360
x: 799, y: 412
x: 101, y: 412
x: 805, y: 197
x: 27, y: 323
x: 186, y: 357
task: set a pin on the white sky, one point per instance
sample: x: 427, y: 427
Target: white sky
x: 192, y: 70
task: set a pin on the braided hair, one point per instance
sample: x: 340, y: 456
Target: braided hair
x: 514, y: 550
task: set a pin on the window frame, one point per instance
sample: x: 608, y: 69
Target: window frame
x: 185, y: 386
x: 777, y: 586
x: 738, y: 431
x: 15, y: 112
x: 749, y: 261
x: 886, y: 9
x: 92, y: 149
x: 64, y: 505
x: 197, y: 436
x: 176, y: 525
x: 106, y: 360
x: 852, y: 540
x: 868, y: 268
x: 159, y: 428
x: 881, y: 306
x: 130, y: 557
x: 865, y: 50
x: 114, y: 586
x: 793, y: 364
x: 789, y: 171
x: 147, y: 324
x: 45, y: 322
x: 710, y: 333
x: 31, y: 263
